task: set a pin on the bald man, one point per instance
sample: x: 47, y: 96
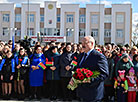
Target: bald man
x: 92, y: 90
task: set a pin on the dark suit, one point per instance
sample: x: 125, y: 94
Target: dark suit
x: 92, y: 92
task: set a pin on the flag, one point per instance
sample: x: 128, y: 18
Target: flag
x: 49, y: 63
x: 42, y: 65
x: 74, y: 63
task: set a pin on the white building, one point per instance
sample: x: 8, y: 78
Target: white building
x: 68, y: 23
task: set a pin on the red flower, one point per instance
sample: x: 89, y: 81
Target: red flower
x: 88, y: 75
x: 90, y: 72
x: 82, y: 69
x: 74, y: 75
x: 81, y: 77
x: 20, y: 60
x: 78, y: 70
x: 85, y: 70
x: 120, y: 55
x: 75, y: 57
x: 79, y: 74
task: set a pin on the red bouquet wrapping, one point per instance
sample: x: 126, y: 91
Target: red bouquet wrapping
x: 80, y: 75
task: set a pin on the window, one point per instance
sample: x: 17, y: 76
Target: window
x: 52, y: 31
x: 18, y: 18
x: 69, y: 18
x: 41, y: 31
x: 5, y: 31
x: 107, y: 33
x: 57, y: 32
x: 82, y: 19
x: 107, y: 19
x: 41, y: 18
x: 58, y: 18
x: 120, y: 18
x: 30, y: 31
x: 69, y: 32
x: 6, y: 17
x: 82, y: 32
x: 94, y: 19
x: 94, y: 33
x: 30, y: 18
x: 18, y: 32
x: 119, y: 33
x: 48, y: 31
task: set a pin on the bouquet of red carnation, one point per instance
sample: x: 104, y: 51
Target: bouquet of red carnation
x: 80, y: 75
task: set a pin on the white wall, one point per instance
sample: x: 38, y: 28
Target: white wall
x: 32, y: 8
x: 10, y: 8
x: 121, y: 8
x: 50, y: 14
x: 70, y: 8
x: 95, y: 8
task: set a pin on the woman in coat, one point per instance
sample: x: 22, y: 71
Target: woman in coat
x: 109, y: 82
x: 124, y: 63
x: 52, y: 73
x: 36, y: 72
x: 7, y: 68
x: 20, y: 72
x: 65, y: 71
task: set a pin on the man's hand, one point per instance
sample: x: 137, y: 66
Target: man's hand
x: 71, y: 82
x: 86, y: 81
x: 68, y: 68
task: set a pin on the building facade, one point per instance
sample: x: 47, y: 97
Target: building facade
x: 69, y: 23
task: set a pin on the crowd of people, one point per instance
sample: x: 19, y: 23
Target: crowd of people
x: 22, y: 77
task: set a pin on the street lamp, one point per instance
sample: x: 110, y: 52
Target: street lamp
x: 13, y: 30
x: 28, y: 19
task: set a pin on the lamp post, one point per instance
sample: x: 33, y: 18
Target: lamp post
x: 12, y: 30
x: 28, y: 18
x: 99, y: 20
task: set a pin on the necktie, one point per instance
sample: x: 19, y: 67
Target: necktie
x: 84, y: 58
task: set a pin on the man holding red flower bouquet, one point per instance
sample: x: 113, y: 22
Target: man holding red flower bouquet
x: 92, y: 89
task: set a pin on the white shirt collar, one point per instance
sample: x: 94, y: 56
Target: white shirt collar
x: 89, y: 52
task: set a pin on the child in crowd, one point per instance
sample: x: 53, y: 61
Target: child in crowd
x: 121, y: 86
x: 132, y: 86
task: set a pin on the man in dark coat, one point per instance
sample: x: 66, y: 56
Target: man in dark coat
x: 92, y: 90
